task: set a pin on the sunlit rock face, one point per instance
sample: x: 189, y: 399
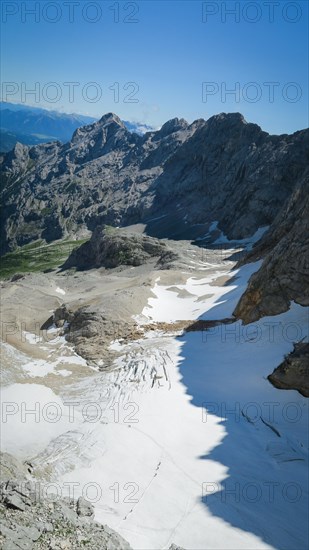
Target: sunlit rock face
x: 284, y: 274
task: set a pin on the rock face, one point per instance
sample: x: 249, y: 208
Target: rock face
x: 11, y: 468
x: 282, y: 278
x: 112, y: 248
x: 284, y: 274
x: 221, y: 169
x: 30, y: 521
x: 293, y: 373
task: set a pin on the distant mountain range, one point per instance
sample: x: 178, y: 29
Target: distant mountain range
x: 9, y: 139
x: 33, y: 125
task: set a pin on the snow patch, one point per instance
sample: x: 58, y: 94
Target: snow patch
x: 60, y: 290
x: 25, y: 433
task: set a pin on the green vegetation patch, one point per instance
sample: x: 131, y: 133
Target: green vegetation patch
x: 37, y: 257
x: 108, y: 229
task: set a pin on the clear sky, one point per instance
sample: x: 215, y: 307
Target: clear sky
x: 155, y: 60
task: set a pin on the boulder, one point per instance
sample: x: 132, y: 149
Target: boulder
x: 84, y: 508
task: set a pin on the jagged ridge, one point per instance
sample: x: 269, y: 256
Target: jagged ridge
x: 223, y: 169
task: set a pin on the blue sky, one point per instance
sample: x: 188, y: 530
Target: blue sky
x: 159, y: 54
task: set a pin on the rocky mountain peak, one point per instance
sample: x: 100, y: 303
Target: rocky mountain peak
x: 233, y: 126
x: 110, y: 118
x: 108, y: 122
x: 229, y: 118
x: 173, y: 125
x: 231, y: 121
x: 19, y: 150
x: 18, y: 156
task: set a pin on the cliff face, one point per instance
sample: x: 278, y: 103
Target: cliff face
x: 284, y: 274
x: 222, y: 169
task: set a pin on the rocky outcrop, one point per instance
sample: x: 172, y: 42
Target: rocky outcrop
x: 293, y: 372
x: 91, y: 332
x: 62, y: 315
x: 284, y: 274
x: 112, y: 248
x: 222, y: 169
x: 11, y: 468
x: 29, y: 520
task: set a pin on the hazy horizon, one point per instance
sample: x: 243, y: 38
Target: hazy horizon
x: 138, y: 122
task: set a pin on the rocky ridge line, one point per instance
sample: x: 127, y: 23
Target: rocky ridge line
x: 222, y: 169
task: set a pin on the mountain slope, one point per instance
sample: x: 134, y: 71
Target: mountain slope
x: 223, y: 169
x: 284, y: 274
x: 9, y: 139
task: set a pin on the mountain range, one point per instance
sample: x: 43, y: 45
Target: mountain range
x: 33, y: 125
x: 88, y: 229
x: 178, y: 181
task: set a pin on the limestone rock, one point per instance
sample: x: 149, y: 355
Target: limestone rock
x: 11, y: 468
x: 84, y: 508
x: 222, y: 169
x: 284, y: 274
x: 28, y: 521
x: 112, y: 248
x: 293, y: 372
x: 62, y: 315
